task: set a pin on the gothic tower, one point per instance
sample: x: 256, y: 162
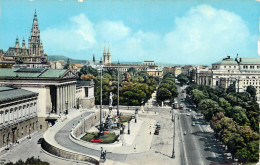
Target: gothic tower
x: 108, y: 56
x: 17, y: 45
x: 34, y: 40
x: 104, y: 55
x: 24, y: 50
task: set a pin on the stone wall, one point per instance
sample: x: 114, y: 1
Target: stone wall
x: 67, y: 154
x: 88, y: 102
x: 85, y: 124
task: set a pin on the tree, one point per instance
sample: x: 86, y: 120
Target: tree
x: 163, y: 94
x: 197, y: 95
x: 183, y: 79
x: 251, y: 90
x: 209, y: 108
x: 231, y: 88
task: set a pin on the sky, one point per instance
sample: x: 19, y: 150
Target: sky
x: 166, y: 31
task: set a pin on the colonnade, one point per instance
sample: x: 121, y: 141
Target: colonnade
x: 66, y: 98
x: 18, y: 112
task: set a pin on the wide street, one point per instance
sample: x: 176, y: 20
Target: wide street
x: 197, y: 147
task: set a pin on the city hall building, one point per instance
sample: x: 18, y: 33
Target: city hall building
x: 33, y: 56
x: 56, y: 90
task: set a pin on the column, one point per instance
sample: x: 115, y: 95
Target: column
x: 1, y: 117
x: 62, y: 98
x: 10, y: 114
x: 74, y: 94
x: 68, y: 87
x: 7, y: 115
x: 57, y: 100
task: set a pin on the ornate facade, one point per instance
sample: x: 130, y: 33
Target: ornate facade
x: 243, y: 71
x: 33, y: 57
x: 18, y: 115
x: 56, y: 89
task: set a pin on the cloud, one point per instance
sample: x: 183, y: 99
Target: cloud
x: 78, y: 35
x: 204, y: 34
x: 201, y: 36
x: 112, y: 30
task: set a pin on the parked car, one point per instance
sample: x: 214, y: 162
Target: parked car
x: 158, y: 127
x: 184, y: 133
x: 193, y: 124
x: 188, y: 114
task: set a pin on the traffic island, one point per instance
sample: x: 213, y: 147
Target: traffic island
x: 95, y: 138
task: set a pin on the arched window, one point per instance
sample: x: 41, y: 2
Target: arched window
x: 34, y: 50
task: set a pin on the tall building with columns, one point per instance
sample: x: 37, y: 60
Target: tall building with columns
x: 243, y: 71
x: 56, y: 90
x: 32, y: 57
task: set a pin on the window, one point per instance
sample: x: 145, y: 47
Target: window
x: 234, y: 66
x: 229, y: 66
x: 86, y: 91
x: 224, y: 66
x: 252, y: 67
x: 258, y: 67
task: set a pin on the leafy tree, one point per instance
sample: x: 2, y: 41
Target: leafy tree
x: 251, y: 90
x: 197, y: 96
x: 88, y: 69
x: 209, y: 108
x: 231, y: 88
x: 163, y: 94
x: 183, y: 79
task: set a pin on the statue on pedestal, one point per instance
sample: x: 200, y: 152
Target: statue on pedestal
x: 111, y: 99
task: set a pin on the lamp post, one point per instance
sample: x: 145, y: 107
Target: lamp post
x: 118, y: 91
x: 173, y: 153
x: 100, y: 113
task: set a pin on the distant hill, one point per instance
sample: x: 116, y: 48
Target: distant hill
x: 77, y: 61
x: 72, y: 61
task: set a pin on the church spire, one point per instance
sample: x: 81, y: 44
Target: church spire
x: 17, y: 43
x: 94, y: 60
x: 23, y: 44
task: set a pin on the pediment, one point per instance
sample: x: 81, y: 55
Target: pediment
x: 69, y: 75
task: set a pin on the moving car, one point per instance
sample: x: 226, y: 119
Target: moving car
x: 193, y: 124
x: 156, y: 132
x: 188, y: 114
x: 184, y: 133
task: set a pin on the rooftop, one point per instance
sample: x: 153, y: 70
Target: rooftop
x: 31, y: 72
x: 9, y: 94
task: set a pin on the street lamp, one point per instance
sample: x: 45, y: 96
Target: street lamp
x: 173, y: 153
x: 118, y: 91
x: 100, y: 113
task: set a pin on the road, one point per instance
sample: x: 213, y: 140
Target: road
x: 199, y: 143
x: 62, y: 137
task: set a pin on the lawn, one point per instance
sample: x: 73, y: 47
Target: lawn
x: 107, y: 138
x: 125, y: 118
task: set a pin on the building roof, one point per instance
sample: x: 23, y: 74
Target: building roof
x: 32, y: 72
x: 9, y: 94
x: 249, y: 60
x: 226, y: 62
x: 84, y: 83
